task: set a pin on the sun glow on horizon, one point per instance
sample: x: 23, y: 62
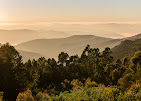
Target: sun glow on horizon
x: 7, y: 23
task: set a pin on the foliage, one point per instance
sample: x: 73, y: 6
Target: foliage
x: 25, y: 96
x: 1, y: 96
x: 94, y: 92
x: 42, y: 96
x: 10, y: 62
x: 65, y: 79
x: 133, y: 94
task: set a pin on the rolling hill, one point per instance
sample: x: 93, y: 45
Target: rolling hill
x: 17, y: 36
x: 126, y: 48
x: 72, y: 45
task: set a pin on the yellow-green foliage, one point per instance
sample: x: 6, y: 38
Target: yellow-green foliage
x: 68, y: 76
x: 89, y: 92
x: 133, y: 94
x: 1, y: 96
x: 100, y: 93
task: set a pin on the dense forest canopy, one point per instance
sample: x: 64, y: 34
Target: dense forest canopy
x: 92, y: 76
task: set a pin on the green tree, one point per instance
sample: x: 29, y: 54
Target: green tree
x: 126, y: 81
x: 62, y: 58
x: 10, y: 63
x: 136, y: 61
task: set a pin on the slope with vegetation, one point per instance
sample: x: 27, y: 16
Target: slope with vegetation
x: 138, y: 36
x: 92, y: 76
x: 126, y: 48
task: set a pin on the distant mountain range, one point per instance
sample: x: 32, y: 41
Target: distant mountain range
x: 72, y: 45
x: 17, y: 36
x: 34, y: 44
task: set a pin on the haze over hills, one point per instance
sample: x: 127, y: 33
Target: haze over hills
x: 110, y: 30
x: 138, y: 36
x: 52, y: 42
x: 72, y: 45
x: 29, y: 55
x: 49, y: 34
x: 101, y: 29
x: 19, y: 33
x: 17, y: 36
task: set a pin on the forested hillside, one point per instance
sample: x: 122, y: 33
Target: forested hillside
x: 127, y: 49
x: 92, y: 76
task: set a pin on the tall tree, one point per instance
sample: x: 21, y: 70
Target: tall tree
x: 10, y: 62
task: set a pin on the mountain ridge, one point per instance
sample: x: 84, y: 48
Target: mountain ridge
x: 72, y: 45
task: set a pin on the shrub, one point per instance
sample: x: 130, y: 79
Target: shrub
x: 86, y: 93
x: 133, y: 94
x: 25, y: 96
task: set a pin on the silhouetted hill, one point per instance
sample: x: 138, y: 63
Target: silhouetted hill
x: 72, y: 45
x: 127, y: 48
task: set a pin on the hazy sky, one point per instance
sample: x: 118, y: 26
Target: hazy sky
x: 36, y: 11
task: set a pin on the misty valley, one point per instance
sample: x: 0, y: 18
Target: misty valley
x: 74, y: 68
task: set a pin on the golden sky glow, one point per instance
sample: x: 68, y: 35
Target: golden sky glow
x: 46, y: 11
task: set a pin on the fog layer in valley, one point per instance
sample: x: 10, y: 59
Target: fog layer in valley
x: 19, y: 33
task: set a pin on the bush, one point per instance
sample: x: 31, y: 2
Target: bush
x: 25, y: 96
x: 86, y: 93
x: 91, y: 91
x: 133, y: 94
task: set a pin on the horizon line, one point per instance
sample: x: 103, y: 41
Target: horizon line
x: 66, y: 22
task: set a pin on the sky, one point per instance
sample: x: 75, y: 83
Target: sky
x: 44, y: 11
